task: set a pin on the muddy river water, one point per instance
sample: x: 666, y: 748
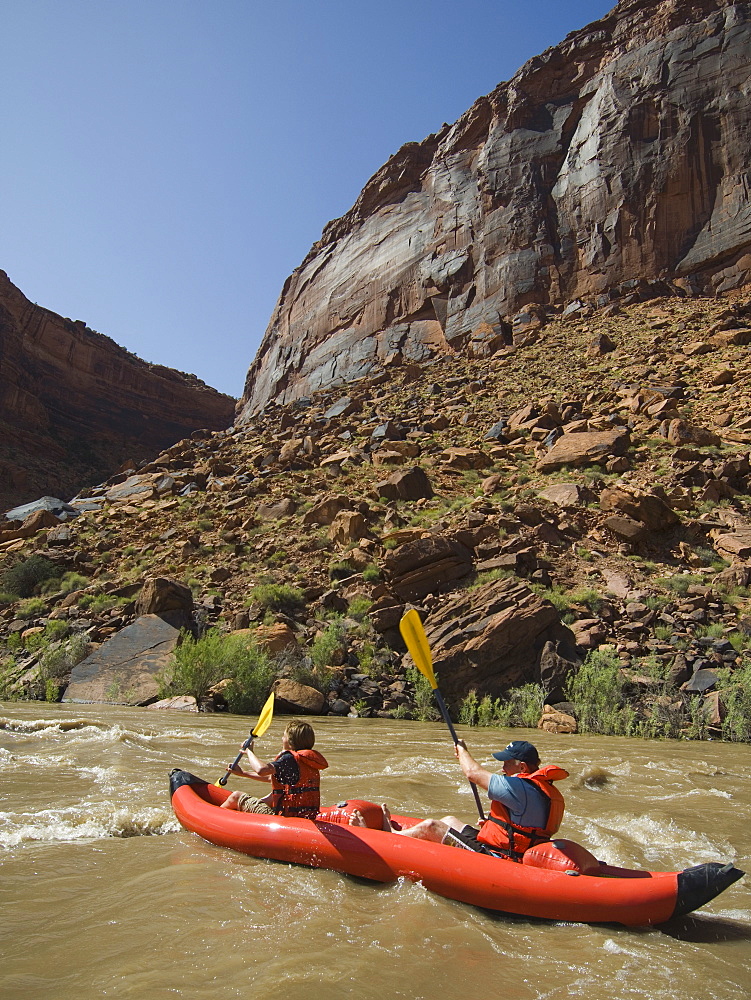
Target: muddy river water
x: 104, y: 895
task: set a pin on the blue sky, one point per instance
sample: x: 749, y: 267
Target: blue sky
x: 166, y: 164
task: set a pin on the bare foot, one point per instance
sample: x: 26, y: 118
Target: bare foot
x: 387, y: 818
x: 356, y: 819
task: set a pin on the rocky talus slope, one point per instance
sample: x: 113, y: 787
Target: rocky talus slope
x: 74, y: 406
x: 617, y: 157
x: 588, y: 491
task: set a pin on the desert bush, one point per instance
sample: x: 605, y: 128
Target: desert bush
x: 736, y: 698
x: 277, y: 597
x: 252, y: 677
x: 359, y: 607
x: 26, y: 576
x: 340, y: 570
x: 679, y: 583
x: 520, y: 706
x: 32, y: 608
x: 425, y: 708
x: 199, y: 664
x: 324, y: 645
x: 598, y: 692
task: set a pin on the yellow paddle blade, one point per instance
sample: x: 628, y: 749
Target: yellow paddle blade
x: 264, y: 719
x: 414, y: 636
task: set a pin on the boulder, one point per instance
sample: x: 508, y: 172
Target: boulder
x: 271, y: 638
x: 290, y: 697
x: 412, y: 484
x: 554, y: 721
x: 167, y: 598
x: 585, y: 448
x: 123, y: 670
x: 647, y: 508
x: 427, y: 565
x: 492, y: 638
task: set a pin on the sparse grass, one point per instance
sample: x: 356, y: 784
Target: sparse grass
x: 680, y: 583
x: 277, y: 597
x: 32, y: 608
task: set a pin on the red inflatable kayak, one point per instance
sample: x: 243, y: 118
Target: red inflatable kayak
x: 557, y: 881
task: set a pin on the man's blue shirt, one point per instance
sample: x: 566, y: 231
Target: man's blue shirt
x: 527, y: 805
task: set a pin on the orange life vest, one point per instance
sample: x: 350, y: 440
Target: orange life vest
x: 504, y: 837
x: 304, y: 798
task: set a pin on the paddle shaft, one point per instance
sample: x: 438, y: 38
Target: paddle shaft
x: 223, y: 780
x: 447, y: 719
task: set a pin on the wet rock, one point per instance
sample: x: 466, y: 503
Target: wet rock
x: 180, y: 703
x: 555, y: 721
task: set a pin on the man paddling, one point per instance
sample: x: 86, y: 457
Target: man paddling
x: 525, y: 807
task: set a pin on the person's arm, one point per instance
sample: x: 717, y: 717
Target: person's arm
x: 472, y: 770
x: 262, y: 771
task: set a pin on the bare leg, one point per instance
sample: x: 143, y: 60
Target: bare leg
x: 433, y: 830
x: 231, y: 802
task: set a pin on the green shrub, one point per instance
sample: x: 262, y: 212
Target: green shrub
x: 73, y: 581
x: 587, y: 596
x: 468, y: 709
x: 56, y: 629
x: 25, y: 577
x: 323, y: 646
x: 198, y: 664
x: 679, y: 583
x: 341, y: 570
x: 371, y: 574
x: 32, y: 608
x: 425, y: 708
x: 6, y: 598
x: 277, y: 597
x: 520, y: 706
x: 359, y: 607
x: 598, y: 692
x: 736, y: 698
x: 55, y: 664
x: 252, y: 677
x: 740, y: 641
x: 558, y: 598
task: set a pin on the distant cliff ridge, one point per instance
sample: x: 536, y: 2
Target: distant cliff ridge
x: 619, y: 157
x: 74, y: 405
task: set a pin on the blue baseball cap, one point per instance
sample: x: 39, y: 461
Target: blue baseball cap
x: 519, y: 750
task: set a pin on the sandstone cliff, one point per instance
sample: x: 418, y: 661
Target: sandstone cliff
x: 616, y: 159
x: 74, y: 405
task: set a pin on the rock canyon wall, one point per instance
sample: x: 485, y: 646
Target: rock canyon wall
x: 74, y: 405
x: 614, y: 162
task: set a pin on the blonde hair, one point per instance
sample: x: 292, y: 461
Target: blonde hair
x: 300, y: 735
